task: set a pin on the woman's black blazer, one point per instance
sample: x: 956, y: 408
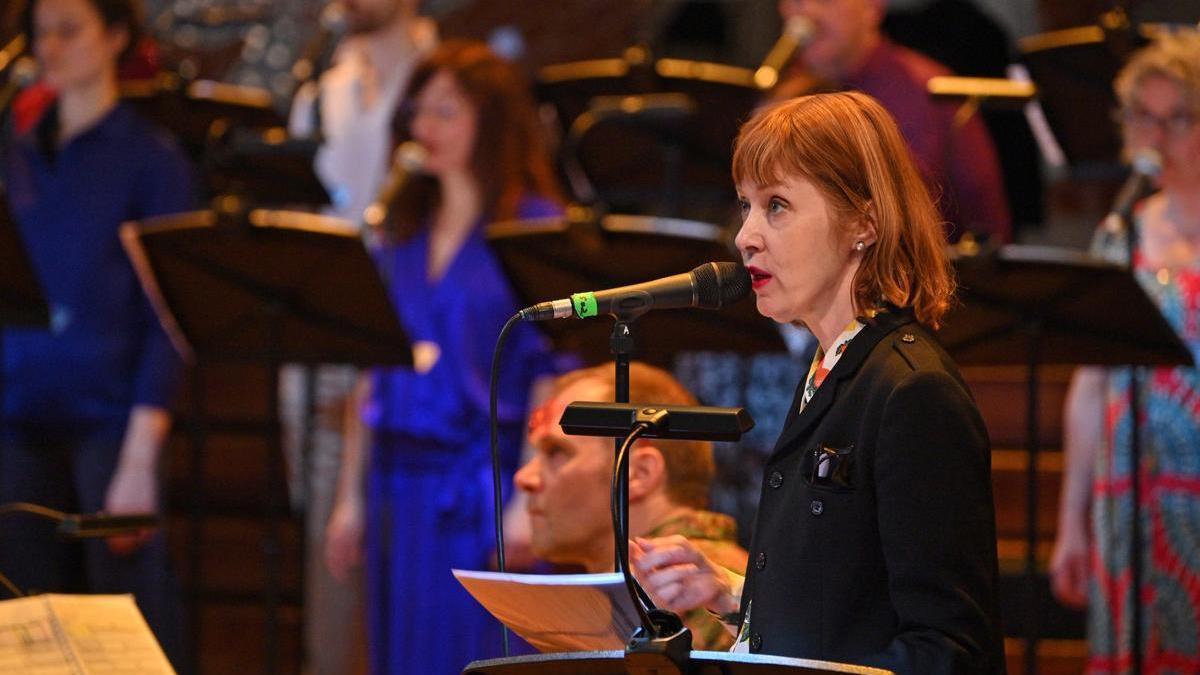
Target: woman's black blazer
x: 875, y: 540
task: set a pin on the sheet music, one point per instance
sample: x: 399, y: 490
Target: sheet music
x: 557, y: 612
x: 77, y: 635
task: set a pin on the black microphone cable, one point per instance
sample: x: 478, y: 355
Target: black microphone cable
x: 494, y: 434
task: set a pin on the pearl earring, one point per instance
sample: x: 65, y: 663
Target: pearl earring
x: 860, y: 246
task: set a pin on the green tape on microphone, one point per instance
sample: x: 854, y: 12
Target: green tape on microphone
x: 585, y: 304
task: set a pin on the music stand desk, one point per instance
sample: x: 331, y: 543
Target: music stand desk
x: 700, y: 663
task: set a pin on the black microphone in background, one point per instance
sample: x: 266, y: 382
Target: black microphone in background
x: 319, y: 50
x: 24, y: 73
x: 797, y: 33
x: 712, y: 285
x: 1147, y: 164
x: 407, y: 160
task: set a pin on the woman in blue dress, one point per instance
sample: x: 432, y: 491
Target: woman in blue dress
x: 424, y: 504
x: 86, y: 400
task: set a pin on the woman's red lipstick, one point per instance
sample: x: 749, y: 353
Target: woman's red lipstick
x: 758, y: 277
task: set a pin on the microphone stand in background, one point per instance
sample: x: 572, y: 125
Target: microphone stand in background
x: 78, y: 526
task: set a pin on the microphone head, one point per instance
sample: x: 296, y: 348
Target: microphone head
x: 718, y: 284
x: 333, y: 18
x: 800, y: 28
x: 1147, y: 162
x: 410, y: 156
x: 24, y: 72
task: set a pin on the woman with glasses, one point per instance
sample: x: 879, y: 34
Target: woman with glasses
x: 414, y: 495
x: 1159, y: 94
x: 875, y: 539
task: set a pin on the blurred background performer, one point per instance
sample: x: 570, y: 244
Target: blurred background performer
x: 875, y: 540
x: 357, y: 99
x: 424, y: 504
x: 848, y: 50
x: 568, y: 482
x: 1159, y: 94
x: 86, y: 402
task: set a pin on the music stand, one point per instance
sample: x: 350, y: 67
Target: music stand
x: 669, y: 163
x: 189, y: 109
x: 1074, y: 69
x: 699, y: 663
x: 1034, y: 306
x: 268, y: 287
x: 553, y: 258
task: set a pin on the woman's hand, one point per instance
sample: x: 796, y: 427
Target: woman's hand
x: 344, y: 538
x: 679, y: 577
x: 1069, y: 566
x: 132, y: 490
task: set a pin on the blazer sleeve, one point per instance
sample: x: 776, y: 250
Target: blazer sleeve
x: 937, y: 528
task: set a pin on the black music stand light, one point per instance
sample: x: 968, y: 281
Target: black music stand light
x: 270, y: 287
x: 1034, y: 306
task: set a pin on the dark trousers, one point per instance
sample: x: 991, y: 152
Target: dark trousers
x: 69, y: 470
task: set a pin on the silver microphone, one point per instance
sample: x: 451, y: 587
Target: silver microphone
x: 797, y: 32
x: 24, y: 73
x: 407, y: 160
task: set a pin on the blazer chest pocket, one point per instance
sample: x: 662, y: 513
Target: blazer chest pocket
x: 831, y: 468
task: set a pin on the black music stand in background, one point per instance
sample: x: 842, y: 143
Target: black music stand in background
x: 268, y: 287
x: 1035, y: 306
x: 189, y: 108
x: 1074, y: 70
x: 553, y: 258
x: 652, y: 136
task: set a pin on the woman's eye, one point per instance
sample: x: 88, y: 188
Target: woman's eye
x: 743, y: 206
x: 776, y: 206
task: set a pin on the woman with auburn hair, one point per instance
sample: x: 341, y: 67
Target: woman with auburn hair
x: 414, y: 495
x: 875, y: 538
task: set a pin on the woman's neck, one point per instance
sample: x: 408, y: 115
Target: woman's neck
x: 1183, y: 209
x: 79, y: 108
x: 459, y: 209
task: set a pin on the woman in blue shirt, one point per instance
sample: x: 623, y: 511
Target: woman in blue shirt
x: 425, y: 503
x: 85, y: 402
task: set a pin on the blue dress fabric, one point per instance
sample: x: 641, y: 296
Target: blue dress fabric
x: 68, y: 390
x: 428, y: 485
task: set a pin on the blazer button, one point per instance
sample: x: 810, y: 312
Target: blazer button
x: 760, y: 561
x: 755, y: 642
x: 817, y: 507
x: 908, y: 338
x: 775, y: 480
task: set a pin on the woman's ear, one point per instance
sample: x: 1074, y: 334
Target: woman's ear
x: 864, y: 228
x: 647, y: 471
